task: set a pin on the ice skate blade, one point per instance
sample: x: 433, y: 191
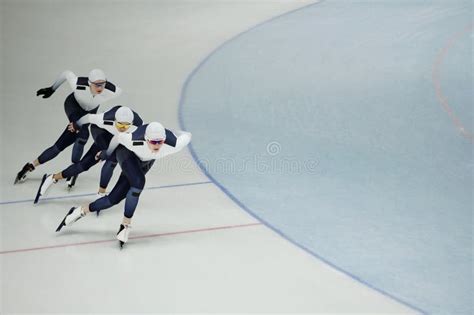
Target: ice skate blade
x: 21, y: 175
x: 72, y: 182
x: 19, y: 179
x: 38, y: 194
x: 63, y: 222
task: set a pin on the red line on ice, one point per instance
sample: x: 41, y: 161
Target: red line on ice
x: 437, y: 82
x: 133, y: 237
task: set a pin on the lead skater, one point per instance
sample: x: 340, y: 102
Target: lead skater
x: 136, y: 154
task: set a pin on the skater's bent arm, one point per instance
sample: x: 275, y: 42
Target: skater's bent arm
x: 183, y: 139
x: 66, y: 75
x: 94, y: 119
x: 114, y: 142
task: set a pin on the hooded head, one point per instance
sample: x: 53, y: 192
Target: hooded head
x: 123, y: 118
x: 155, y: 136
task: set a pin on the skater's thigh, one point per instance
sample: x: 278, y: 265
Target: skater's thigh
x: 120, y: 190
x: 65, y: 139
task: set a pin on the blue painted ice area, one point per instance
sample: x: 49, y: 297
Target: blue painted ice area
x: 326, y: 124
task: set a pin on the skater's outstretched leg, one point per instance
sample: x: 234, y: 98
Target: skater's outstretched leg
x: 73, y: 170
x: 134, y: 171
x: 66, y: 139
x: 118, y: 193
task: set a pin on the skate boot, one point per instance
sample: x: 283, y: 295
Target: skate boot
x: 98, y: 196
x: 46, y: 182
x: 74, y: 214
x: 21, y: 176
x: 122, y: 234
x: 71, y: 181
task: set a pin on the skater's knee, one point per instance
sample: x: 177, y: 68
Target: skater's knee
x: 84, y: 132
x: 49, y: 154
x: 81, y: 167
x: 81, y: 141
x: 135, y: 192
x: 138, y: 181
x: 61, y: 145
x: 109, y: 165
x: 132, y: 200
x: 87, y: 163
x: 78, y: 149
x: 114, y: 199
x: 101, y: 203
x: 55, y: 149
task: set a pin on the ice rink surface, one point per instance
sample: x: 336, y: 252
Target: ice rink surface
x: 192, y: 248
x: 353, y: 122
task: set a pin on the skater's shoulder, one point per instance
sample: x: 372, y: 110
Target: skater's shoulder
x: 82, y: 81
x: 110, y: 114
x: 137, y: 120
x: 111, y: 87
x: 139, y: 134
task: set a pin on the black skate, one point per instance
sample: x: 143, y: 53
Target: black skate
x: 38, y: 194
x: 71, y: 181
x: 99, y: 195
x: 63, y: 222
x: 21, y: 176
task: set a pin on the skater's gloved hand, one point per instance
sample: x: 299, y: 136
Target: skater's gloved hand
x: 101, y: 155
x: 46, y: 92
x: 73, y: 127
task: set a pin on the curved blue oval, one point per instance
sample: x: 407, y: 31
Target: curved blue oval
x: 325, y: 124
